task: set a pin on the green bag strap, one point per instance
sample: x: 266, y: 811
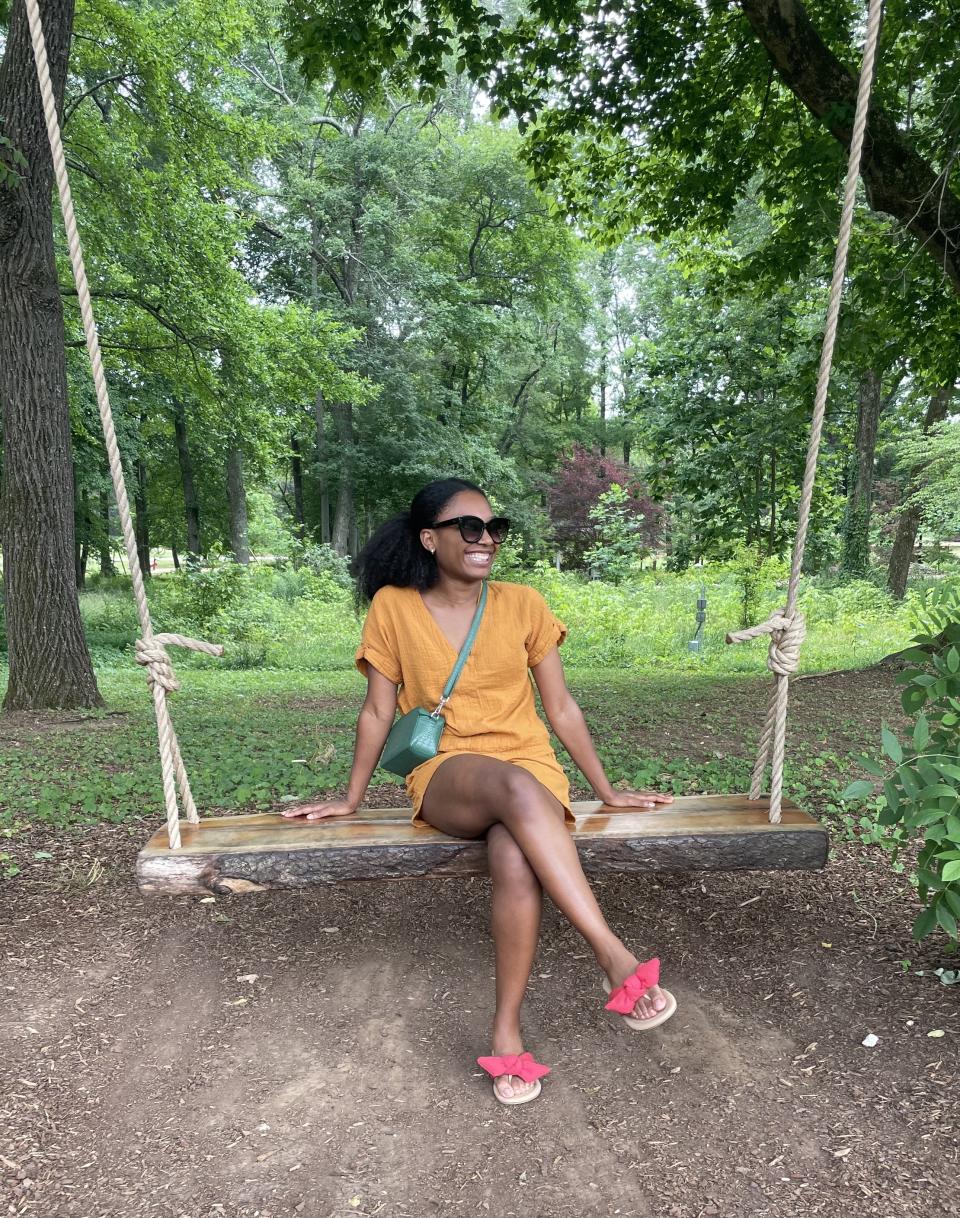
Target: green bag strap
x: 464, y: 650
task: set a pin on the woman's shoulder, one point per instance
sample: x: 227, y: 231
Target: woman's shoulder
x: 390, y: 598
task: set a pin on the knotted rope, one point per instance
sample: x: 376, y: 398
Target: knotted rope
x: 786, y: 628
x: 150, y: 647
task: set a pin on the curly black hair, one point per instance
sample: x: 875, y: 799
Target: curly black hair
x: 394, y: 554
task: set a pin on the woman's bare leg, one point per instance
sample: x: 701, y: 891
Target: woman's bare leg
x: 515, y: 921
x: 470, y: 793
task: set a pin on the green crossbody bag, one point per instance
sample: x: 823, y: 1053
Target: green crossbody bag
x: 415, y: 737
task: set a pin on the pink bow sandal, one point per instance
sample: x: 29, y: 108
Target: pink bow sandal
x: 625, y: 997
x: 520, y: 1065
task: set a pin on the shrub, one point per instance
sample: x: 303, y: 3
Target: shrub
x: 921, y: 780
x: 323, y: 560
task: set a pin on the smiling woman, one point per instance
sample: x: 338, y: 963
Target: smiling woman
x: 494, y: 774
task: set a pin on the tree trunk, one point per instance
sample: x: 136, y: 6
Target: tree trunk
x: 175, y: 556
x: 106, y: 557
x: 191, y: 505
x: 896, y: 177
x: 855, y: 555
x: 343, y: 523
x: 49, y: 661
x: 903, y: 542
x: 627, y: 446
x: 82, y: 529
x: 237, y: 497
x: 772, y: 534
x: 141, y: 523
x: 603, y: 407
x: 319, y: 414
x: 296, y: 473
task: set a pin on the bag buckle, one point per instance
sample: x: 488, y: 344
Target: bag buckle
x: 440, y: 705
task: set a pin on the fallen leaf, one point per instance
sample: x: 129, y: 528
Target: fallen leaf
x: 937, y: 1032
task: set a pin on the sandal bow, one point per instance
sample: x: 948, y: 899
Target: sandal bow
x: 522, y: 1065
x: 625, y: 997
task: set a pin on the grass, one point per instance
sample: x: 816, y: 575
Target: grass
x: 275, y: 719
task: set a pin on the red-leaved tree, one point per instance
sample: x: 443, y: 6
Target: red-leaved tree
x: 580, y: 480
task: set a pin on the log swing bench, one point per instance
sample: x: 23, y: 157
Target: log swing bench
x: 232, y: 854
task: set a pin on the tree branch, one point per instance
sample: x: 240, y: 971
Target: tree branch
x: 897, y: 178
x: 70, y: 110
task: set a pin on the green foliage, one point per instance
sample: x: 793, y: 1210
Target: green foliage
x: 920, y: 778
x: 755, y: 578
x: 618, y: 550
x: 937, y: 454
x: 324, y: 561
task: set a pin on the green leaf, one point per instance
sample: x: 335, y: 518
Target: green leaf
x: 858, y: 789
x: 946, y: 919
x: 951, y: 872
x: 921, y: 733
x: 871, y: 766
x: 953, y: 660
x: 925, y: 923
x: 952, y: 898
x: 891, y: 745
x: 926, y: 816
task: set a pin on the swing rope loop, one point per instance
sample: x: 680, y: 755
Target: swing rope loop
x: 150, y: 646
x: 785, y: 639
x: 152, y: 654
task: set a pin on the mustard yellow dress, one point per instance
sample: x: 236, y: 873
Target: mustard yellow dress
x: 492, y: 709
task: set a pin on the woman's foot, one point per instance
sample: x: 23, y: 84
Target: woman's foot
x: 620, y: 965
x: 507, y: 1042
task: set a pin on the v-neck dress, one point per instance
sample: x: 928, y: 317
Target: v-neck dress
x: 492, y: 709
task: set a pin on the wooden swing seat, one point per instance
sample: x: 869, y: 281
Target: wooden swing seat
x: 228, y: 854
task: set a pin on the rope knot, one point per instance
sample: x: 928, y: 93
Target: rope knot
x: 152, y: 654
x: 786, y: 638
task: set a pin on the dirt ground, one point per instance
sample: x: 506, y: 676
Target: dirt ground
x: 311, y: 1054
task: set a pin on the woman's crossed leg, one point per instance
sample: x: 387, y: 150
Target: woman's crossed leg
x: 529, y: 847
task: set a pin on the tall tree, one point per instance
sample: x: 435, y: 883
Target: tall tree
x: 49, y: 661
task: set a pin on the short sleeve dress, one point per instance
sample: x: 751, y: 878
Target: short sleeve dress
x: 492, y: 709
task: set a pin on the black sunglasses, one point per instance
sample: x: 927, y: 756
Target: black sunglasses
x: 472, y: 528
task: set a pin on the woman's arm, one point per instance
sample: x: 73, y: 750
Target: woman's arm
x: 373, y: 726
x: 566, y: 719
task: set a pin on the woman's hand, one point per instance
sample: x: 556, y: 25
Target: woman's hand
x: 636, y: 799
x: 320, y: 811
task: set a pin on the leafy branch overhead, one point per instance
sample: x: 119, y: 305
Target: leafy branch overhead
x: 642, y: 118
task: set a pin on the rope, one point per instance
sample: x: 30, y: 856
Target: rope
x: 786, y: 628
x: 150, y: 647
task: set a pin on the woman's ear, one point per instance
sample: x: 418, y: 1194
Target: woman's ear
x: 428, y: 541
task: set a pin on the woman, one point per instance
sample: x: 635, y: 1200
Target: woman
x: 496, y: 774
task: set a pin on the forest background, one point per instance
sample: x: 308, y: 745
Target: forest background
x: 313, y: 299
